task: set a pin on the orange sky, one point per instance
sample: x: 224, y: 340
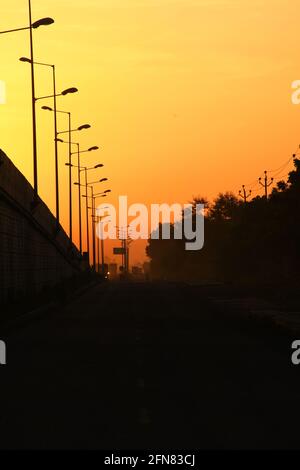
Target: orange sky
x: 185, y: 97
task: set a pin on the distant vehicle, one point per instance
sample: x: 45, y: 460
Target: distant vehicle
x: 137, y: 270
x: 137, y: 273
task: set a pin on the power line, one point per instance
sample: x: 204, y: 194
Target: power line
x: 257, y: 191
x: 252, y: 182
x: 282, y: 176
x: 276, y: 170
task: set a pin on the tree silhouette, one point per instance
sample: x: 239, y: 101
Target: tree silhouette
x: 255, y: 241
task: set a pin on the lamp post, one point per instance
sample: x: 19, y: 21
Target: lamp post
x: 104, y: 194
x: 102, y: 245
x: 70, y: 143
x: 55, y: 111
x: 65, y: 92
x: 93, y: 225
x: 47, y: 108
x: 86, y: 185
x: 35, y: 25
x: 100, y: 181
x: 94, y: 197
x: 79, y: 187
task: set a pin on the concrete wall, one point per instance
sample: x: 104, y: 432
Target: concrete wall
x: 33, y: 254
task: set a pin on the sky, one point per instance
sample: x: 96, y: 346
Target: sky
x: 185, y: 97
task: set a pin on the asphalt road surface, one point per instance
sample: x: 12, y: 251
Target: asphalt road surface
x: 148, y: 366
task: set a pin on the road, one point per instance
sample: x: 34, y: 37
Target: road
x: 147, y: 366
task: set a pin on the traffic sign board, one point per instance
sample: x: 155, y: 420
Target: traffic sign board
x: 119, y: 251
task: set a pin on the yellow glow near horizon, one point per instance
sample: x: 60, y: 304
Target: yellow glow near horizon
x: 185, y: 97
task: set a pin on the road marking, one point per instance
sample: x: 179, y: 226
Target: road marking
x: 2, y: 353
x: 141, y: 383
x: 144, y: 417
x: 138, y: 336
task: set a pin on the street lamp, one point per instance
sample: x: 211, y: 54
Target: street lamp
x: 93, y: 197
x: 42, y: 22
x: 99, y: 219
x: 55, y: 111
x: 102, y: 240
x: 102, y: 244
x: 87, y: 185
x: 47, y: 108
x: 70, y: 90
x: 93, y: 222
x: 85, y: 126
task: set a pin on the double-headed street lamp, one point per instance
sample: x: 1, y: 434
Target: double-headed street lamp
x: 54, y: 96
x: 35, y: 25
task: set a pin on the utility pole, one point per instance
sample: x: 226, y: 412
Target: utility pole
x: 243, y: 193
x: 129, y: 241
x: 266, y: 183
x: 124, y: 254
x: 121, y: 236
x: 102, y: 253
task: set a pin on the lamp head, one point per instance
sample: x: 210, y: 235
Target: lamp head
x: 42, y: 22
x: 25, y: 59
x: 69, y: 90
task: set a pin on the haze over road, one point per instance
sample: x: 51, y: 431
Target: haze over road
x: 147, y: 366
